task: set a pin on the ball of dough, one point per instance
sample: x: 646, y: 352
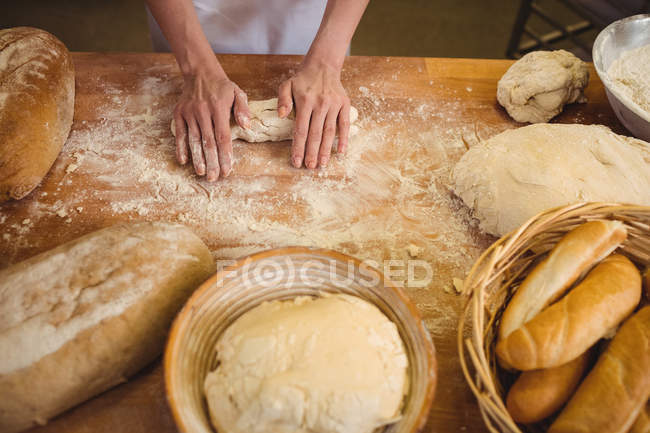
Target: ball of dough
x: 332, y: 364
x: 521, y: 172
x: 538, y: 86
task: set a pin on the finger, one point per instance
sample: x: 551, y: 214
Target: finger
x: 329, y: 131
x: 300, y: 130
x: 314, y: 138
x: 241, y: 110
x: 181, y: 137
x: 224, y: 142
x: 344, y: 128
x: 194, y: 138
x: 285, y: 102
x: 208, y: 145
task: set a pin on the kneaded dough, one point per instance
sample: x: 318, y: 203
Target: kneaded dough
x: 522, y: 172
x: 266, y: 125
x: 333, y: 364
x: 538, y: 86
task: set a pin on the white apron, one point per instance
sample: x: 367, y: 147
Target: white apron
x: 253, y: 26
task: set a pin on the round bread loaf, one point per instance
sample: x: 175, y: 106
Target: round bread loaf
x: 81, y: 318
x: 36, y: 107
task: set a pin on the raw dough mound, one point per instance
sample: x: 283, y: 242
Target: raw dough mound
x: 521, y: 172
x: 540, y: 84
x: 266, y: 125
x: 334, y: 364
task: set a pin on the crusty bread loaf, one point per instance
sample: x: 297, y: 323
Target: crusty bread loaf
x: 36, y: 107
x: 646, y: 282
x: 538, y: 394
x: 642, y: 423
x: 576, y: 253
x: 617, y: 388
x: 566, y: 329
x: 81, y: 318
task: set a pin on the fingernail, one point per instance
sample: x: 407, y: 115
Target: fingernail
x: 311, y: 163
x: 297, y: 162
x: 282, y: 111
x: 244, y: 120
x: 324, y: 162
x: 225, y: 170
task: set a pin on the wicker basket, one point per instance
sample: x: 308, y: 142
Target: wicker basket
x: 495, y: 277
x: 285, y: 273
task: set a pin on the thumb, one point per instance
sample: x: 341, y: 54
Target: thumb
x: 285, y: 101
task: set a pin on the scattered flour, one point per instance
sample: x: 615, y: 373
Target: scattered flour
x: 630, y: 75
x: 387, y: 199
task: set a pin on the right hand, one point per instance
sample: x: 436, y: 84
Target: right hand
x: 202, y: 118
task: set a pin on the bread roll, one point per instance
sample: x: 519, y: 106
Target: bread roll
x: 574, y: 255
x: 647, y: 284
x: 566, y: 329
x: 617, y: 388
x: 538, y: 394
x: 36, y: 107
x: 81, y: 318
x: 642, y: 423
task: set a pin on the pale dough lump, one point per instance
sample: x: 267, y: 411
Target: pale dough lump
x: 538, y: 86
x: 333, y: 364
x: 521, y: 172
x: 266, y: 125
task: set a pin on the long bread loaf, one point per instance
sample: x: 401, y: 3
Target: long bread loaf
x: 81, y: 318
x: 538, y: 394
x: 566, y: 329
x: 36, y: 107
x: 642, y: 423
x: 617, y: 389
x: 575, y: 254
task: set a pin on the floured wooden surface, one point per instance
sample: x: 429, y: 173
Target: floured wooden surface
x: 388, y: 199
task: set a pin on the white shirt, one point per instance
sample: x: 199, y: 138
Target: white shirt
x: 253, y: 26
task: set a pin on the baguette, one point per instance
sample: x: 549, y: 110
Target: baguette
x: 538, y: 394
x: 576, y: 253
x: 616, y: 390
x: 642, y: 423
x: 566, y: 329
x: 36, y: 107
x: 79, y: 319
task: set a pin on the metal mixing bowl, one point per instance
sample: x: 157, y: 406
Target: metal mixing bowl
x: 614, y: 40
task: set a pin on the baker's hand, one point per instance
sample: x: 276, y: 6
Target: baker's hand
x: 322, y: 107
x: 202, y: 118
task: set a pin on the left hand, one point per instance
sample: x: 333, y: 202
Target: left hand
x: 322, y: 107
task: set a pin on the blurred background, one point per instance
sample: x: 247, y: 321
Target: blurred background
x: 427, y: 28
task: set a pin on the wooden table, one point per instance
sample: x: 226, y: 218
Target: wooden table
x: 390, y: 194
